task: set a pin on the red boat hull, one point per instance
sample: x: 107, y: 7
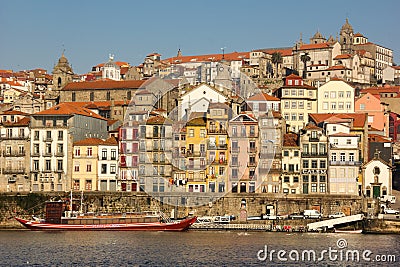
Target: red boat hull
x: 153, y: 226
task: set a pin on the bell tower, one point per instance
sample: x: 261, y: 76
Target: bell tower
x: 62, y: 73
x: 346, y: 38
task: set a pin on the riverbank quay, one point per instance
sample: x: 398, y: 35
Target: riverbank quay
x: 12, y: 204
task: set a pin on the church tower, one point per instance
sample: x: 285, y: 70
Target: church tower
x: 62, y: 73
x: 346, y: 38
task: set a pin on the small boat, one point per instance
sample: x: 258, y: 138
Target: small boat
x: 118, y: 222
x: 348, y: 231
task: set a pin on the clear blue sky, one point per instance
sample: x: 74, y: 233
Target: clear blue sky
x: 34, y: 33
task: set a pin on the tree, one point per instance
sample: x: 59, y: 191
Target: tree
x: 276, y: 59
x: 304, y: 58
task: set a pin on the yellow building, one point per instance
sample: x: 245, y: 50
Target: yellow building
x: 196, y: 137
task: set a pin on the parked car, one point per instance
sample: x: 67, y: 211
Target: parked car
x: 312, y: 214
x: 337, y: 215
x: 391, y: 211
x: 296, y: 216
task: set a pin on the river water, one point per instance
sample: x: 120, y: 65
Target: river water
x: 194, y: 248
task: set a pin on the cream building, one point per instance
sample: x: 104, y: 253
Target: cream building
x: 297, y: 101
x: 336, y: 96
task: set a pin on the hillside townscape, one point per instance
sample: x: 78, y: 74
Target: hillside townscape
x: 314, y: 119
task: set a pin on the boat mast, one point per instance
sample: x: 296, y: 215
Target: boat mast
x: 81, y: 209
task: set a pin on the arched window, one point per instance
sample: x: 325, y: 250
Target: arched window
x: 129, y: 95
x: 59, y: 82
x: 91, y: 97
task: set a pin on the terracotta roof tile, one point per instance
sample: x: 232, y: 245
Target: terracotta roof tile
x: 378, y: 138
x: 314, y: 46
x: 359, y: 119
x: 263, y: 97
x: 290, y: 140
x: 67, y: 108
x: 103, y: 84
x: 208, y: 58
x: 343, y: 56
x: 96, y: 142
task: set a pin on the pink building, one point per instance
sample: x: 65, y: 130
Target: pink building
x: 378, y: 119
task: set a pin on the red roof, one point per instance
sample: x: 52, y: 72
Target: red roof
x: 208, y: 58
x: 344, y: 56
x: 344, y: 134
x: 314, y: 46
x: 103, y: 84
x: 338, y: 67
x: 13, y: 112
x: 378, y: 138
x: 359, y: 119
x: 290, y: 140
x: 263, y: 97
x: 67, y: 108
x: 96, y: 141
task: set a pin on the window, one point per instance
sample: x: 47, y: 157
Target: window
x: 294, y: 104
x: 73, y: 97
x: 333, y: 157
x: 322, y: 164
x: 348, y: 94
x: 348, y: 105
x: 103, y: 168
x: 77, y: 151
x: 301, y: 105
x: 305, y: 178
x: 112, y: 168
x: 314, y: 178
x: 326, y: 95
x: 314, y: 164
x: 48, y: 165
x: 36, y: 165
x: 114, y: 153
x: 295, y: 179
x: 191, y: 132
x: 89, y: 167
x: 286, y: 104
x: 333, y: 95
x: 108, y: 96
x: 91, y: 97
x: 362, y: 106
x: 314, y: 188
x: 294, y: 116
x: 322, y: 188
x: 104, y: 154
x: 340, y: 105
x: 36, y: 135
x: 60, y: 135
x: 286, y: 153
x: 351, y: 156
x: 89, y: 151
x: 286, y: 179
x: 76, y: 167
x: 342, y: 156
x: 296, y: 153
x: 301, y: 116
x: 322, y: 178
x: 333, y: 105
x: 305, y: 164
x: 340, y: 94
x: 325, y: 105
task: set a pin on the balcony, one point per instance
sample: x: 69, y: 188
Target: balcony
x: 35, y: 154
x: 15, y: 137
x: 313, y: 154
x: 14, y: 154
x: 313, y: 139
x: 195, y: 154
x: 345, y: 163
x: 235, y: 149
x: 252, y: 150
x: 217, y: 147
x: 59, y: 154
x: 251, y: 164
x: 47, y: 139
x: 217, y: 131
x: 219, y: 162
x: 13, y: 171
